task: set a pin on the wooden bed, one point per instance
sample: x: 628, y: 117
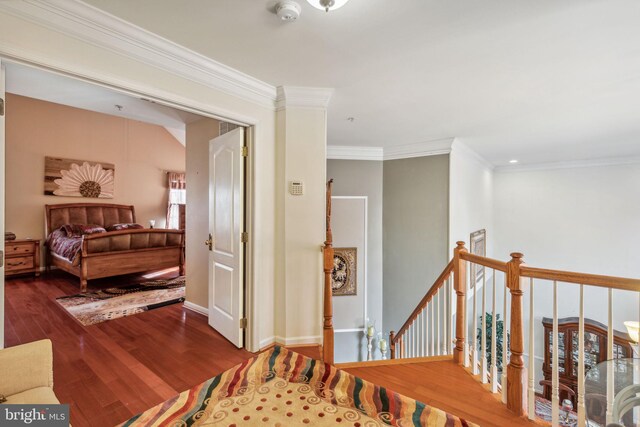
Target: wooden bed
x: 114, y: 252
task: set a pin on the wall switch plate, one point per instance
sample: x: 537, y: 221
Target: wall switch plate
x: 296, y: 188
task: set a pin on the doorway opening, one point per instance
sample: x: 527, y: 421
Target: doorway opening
x: 67, y: 119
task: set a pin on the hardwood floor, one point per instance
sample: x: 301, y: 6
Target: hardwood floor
x: 113, y: 370
x: 446, y: 386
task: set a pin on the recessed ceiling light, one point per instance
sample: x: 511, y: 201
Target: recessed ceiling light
x: 513, y: 162
x: 351, y: 119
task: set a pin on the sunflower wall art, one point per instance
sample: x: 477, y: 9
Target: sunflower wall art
x: 78, y: 178
x: 343, y: 275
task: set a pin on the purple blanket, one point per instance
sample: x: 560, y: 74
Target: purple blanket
x: 67, y: 247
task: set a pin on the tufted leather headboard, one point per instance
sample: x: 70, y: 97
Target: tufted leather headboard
x: 103, y: 214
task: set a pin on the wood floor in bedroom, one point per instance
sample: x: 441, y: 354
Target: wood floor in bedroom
x: 113, y: 370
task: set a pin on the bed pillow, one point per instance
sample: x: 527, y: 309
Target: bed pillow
x: 124, y: 226
x: 77, y: 230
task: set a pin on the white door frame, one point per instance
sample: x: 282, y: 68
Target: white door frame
x: 206, y: 110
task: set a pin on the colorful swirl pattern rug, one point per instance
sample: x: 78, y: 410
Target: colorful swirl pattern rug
x: 283, y: 388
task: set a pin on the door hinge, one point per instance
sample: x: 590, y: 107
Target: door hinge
x: 245, y: 151
x: 244, y: 237
x: 243, y: 323
x: 1, y: 107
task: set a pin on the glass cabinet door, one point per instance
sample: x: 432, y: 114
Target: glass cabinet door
x: 592, y: 344
x: 561, y: 356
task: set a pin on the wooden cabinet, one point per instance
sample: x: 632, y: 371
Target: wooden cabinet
x: 595, y: 349
x: 21, y: 257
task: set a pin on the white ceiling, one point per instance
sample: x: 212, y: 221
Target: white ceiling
x: 540, y: 81
x: 47, y: 86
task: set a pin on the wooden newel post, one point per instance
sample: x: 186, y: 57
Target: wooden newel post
x: 460, y: 286
x: 392, y: 344
x: 327, y: 328
x: 516, y: 371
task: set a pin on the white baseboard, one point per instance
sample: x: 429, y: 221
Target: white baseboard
x: 197, y: 308
x: 293, y: 341
x: 313, y: 339
x: 267, y: 342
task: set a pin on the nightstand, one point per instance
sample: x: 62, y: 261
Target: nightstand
x: 21, y: 257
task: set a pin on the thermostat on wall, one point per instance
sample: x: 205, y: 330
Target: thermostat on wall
x: 296, y: 188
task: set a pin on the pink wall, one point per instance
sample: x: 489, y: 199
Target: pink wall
x: 139, y: 151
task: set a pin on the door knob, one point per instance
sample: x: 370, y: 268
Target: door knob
x: 209, y: 242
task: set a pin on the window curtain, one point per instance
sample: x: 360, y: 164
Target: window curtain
x: 177, y: 196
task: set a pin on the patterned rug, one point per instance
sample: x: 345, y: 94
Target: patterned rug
x: 90, y: 308
x: 283, y: 388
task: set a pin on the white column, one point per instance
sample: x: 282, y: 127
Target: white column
x: 301, y: 140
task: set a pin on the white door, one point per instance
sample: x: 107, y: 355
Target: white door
x: 2, y: 193
x: 226, y: 225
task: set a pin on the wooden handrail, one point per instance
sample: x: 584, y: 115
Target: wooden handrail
x: 621, y: 283
x: 515, y: 377
x: 439, y: 282
x: 327, y: 329
x: 484, y: 261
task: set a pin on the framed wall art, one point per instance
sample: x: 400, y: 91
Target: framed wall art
x: 78, y: 178
x: 344, y: 273
x: 478, y: 246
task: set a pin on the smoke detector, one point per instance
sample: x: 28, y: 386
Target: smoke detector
x: 288, y: 10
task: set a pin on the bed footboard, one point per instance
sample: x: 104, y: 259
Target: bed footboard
x: 130, y: 251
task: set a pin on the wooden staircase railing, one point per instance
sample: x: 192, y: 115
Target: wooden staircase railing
x: 327, y: 329
x: 415, y: 337
x: 408, y: 342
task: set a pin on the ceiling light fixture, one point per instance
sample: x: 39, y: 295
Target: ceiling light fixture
x: 327, y: 5
x: 513, y: 162
x: 288, y: 10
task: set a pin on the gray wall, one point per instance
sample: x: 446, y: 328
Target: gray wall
x: 362, y: 178
x: 415, y: 232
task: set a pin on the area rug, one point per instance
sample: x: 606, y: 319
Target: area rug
x: 283, y: 388
x: 90, y: 308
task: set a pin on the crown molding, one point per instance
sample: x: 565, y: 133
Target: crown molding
x: 465, y: 150
x: 77, y: 19
x: 420, y: 149
x: 302, y: 97
x: 407, y: 151
x: 343, y: 152
x: 570, y: 164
